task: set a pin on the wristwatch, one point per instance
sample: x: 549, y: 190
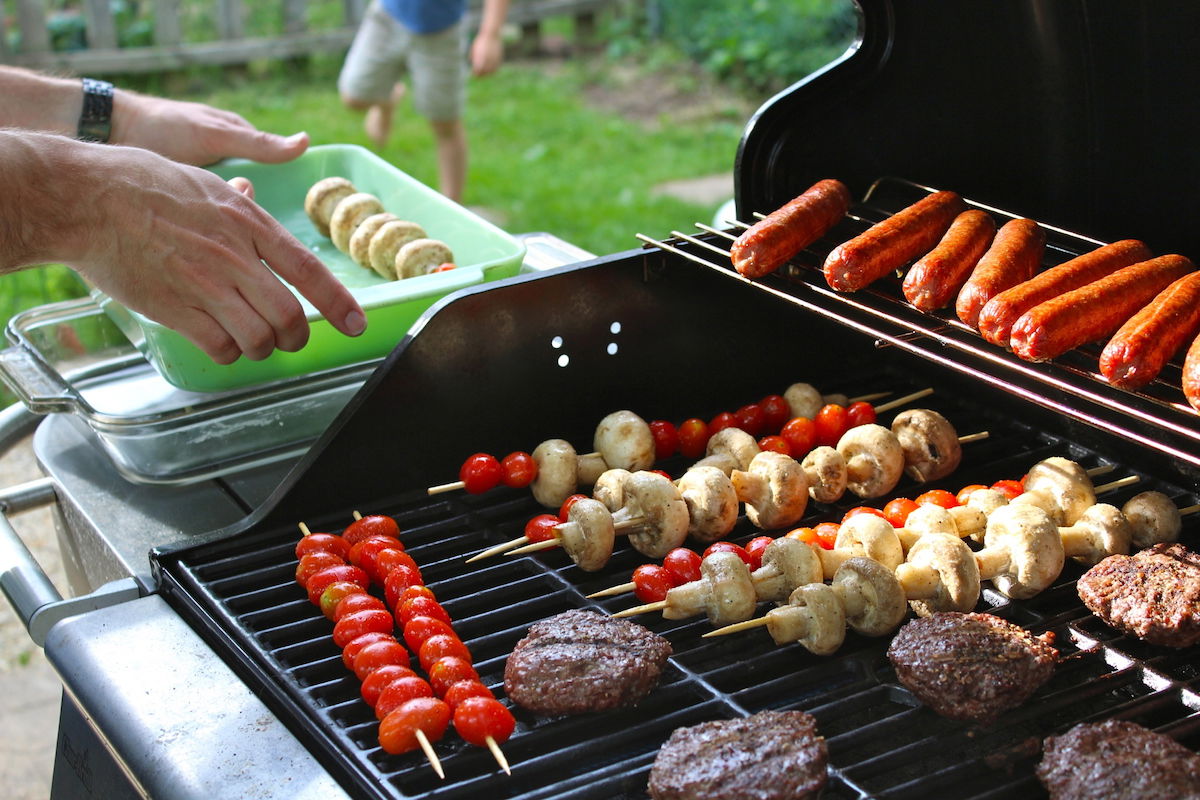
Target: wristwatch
x: 95, y: 121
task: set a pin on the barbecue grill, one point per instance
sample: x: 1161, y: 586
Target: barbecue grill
x: 670, y: 331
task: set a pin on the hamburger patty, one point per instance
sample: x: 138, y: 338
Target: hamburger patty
x: 581, y: 661
x: 1153, y: 594
x: 1118, y: 759
x: 771, y: 755
x: 970, y: 666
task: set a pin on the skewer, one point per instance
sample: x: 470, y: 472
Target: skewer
x: 757, y: 622
x: 643, y: 609
x: 899, y: 401
x: 498, y: 754
x: 434, y: 762
x: 304, y: 529
x: 554, y: 542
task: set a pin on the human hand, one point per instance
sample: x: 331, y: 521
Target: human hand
x: 487, y: 51
x: 195, y: 133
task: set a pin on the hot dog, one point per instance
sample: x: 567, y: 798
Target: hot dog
x: 769, y: 243
x: 1093, y: 311
x: 1013, y: 257
x: 1137, y: 352
x: 997, y: 316
x: 1191, y: 374
x: 935, y: 279
x: 892, y: 243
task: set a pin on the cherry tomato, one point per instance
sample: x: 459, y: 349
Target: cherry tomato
x: 750, y: 419
x: 693, y: 437
x: 651, y: 583
x: 351, y: 626
x: 351, y: 650
x: 776, y: 443
x: 541, y: 528
x: 312, y: 563
x: 754, y: 549
x: 374, y: 684
x: 334, y: 593
x: 323, y: 542
x: 371, y: 525
x: 389, y: 558
x: 964, y: 494
x: 357, y: 602
x: 827, y: 534
x: 461, y: 690
x: 418, y: 629
x: 379, y: 654
x: 364, y: 553
x: 1009, y: 488
x: 683, y: 564
x: 897, y: 510
x: 445, y: 672
x: 721, y: 421
x: 806, y: 535
x: 728, y: 547
x: 801, y: 435
x: 480, y: 473
x: 666, y: 439
x: 831, y: 424
x: 398, y: 730
x: 938, y: 497
x: 422, y: 607
x: 565, y: 508
x: 340, y: 572
x: 416, y: 590
x: 519, y: 469
x: 399, y: 692
x: 776, y: 412
x: 854, y: 512
x: 440, y: 646
x: 859, y: 413
x: 478, y: 719
x: 400, y: 578
x: 663, y: 473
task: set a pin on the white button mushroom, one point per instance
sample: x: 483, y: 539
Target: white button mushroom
x: 874, y: 460
x: 1023, y: 552
x: 930, y: 444
x: 609, y: 488
x: 711, y: 501
x: 653, y: 514
x: 940, y: 574
x: 825, y: 469
x: 624, y: 440
x: 725, y: 592
x: 556, y: 475
x: 1154, y: 519
x: 729, y: 449
x: 863, y: 535
x: 774, y: 489
x: 588, y: 534
x: 803, y: 400
x: 786, y: 564
x: 1102, y: 531
x: 813, y: 617
x: 872, y: 598
x: 1067, y: 482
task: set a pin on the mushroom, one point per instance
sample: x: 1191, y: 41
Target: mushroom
x: 349, y: 214
x: 786, y: 564
x: 386, y: 243
x: 960, y: 521
x: 729, y: 449
x: 1154, y: 519
x: 421, y: 257
x: 609, y: 488
x: 624, y: 440
x: 323, y: 197
x: 588, y: 468
x: 940, y: 574
x: 863, y: 535
x: 985, y: 501
x: 712, y: 503
x: 872, y: 599
x: 556, y: 474
x: 813, y: 617
x: 773, y: 488
x: 803, y: 400
x: 1102, y: 531
x: 1022, y: 553
x: 654, y: 514
x: 724, y: 591
x: 1044, y: 500
x: 874, y: 460
x: 588, y: 534
x: 1065, y: 481
x: 930, y: 444
x: 825, y: 469
x: 360, y: 240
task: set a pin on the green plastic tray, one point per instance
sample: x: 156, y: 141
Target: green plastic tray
x: 482, y: 252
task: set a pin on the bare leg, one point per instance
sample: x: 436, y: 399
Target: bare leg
x: 378, y: 121
x: 452, y: 157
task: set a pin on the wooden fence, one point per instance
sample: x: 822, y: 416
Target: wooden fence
x: 172, y: 49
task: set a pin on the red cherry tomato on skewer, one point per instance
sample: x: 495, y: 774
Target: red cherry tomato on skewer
x: 566, y: 506
x: 445, y: 672
x: 721, y: 421
x: 399, y: 692
x: 364, y: 552
x: 370, y: 526
x: 340, y: 572
x: 334, y: 593
x: 374, y: 684
x: 728, y: 547
x: 312, y: 563
x: 357, y: 602
x: 440, y: 646
x: 416, y: 590
x: 418, y: 629
x: 897, y: 509
x: 422, y: 607
x: 651, y: 583
x: 479, y: 718
x: 964, y: 494
x: 826, y: 534
x: 377, y: 655
x: 683, y: 564
x: 666, y: 439
x: 775, y: 443
x: 323, y: 543
x: 480, y: 473
x: 400, y: 578
x: 461, y: 690
x: 801, y: 435
x: 860, y: 413
x: 938, y: 497
x: 831, y: 424
x: 351, y: 626
x: 1009, y: 488
x: 806, y: 535
x: 351, y: 650
x: 755, y: 548
x: 776, y: 412
x: 398, y: 730
x: 750, y: 419
x: 693, y: 437
x: 389, y: 558
x: 518, y: 470
x: 854, y: 512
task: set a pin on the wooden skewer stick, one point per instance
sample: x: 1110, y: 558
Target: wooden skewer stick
x: 536, y: 547
x: 973, y: 437
x: 1128, y: 480
x: 899, y: 401
x: 1103, y: 469
x: 498, y: 549
x: 735, y: 627
x: 454, y: 486
x: 304, y: 529
x: 1183, y: 512
x: 867, y: 398
x: 498, y: 754
x: 614, y: 590
x: 646, y: 609
x: 434, y: 762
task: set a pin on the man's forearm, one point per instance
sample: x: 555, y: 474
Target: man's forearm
x: 43, y: 186
x: 39, y: 102
x: 491, y: 19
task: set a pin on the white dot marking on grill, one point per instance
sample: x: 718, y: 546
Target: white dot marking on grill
x: 556, y: 342
x: 615, y: 328
x: 612, y: 348
x: 563, y: 360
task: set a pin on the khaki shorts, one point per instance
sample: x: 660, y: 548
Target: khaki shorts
x: 383, y: 50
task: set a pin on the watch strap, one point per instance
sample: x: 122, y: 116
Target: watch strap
x: 95, y: 121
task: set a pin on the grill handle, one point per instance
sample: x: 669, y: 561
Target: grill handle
x: 25, y: 584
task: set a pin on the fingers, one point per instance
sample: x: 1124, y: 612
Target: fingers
x: 243, y: 185
x: 256, y: 145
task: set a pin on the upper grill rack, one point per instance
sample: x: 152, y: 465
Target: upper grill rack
x: 1156, y: 417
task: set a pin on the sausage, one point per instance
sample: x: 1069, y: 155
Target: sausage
x: 888, y: 245
x: 997, y: 316
x: 934, y: 280
x: 1137, y: 352
x: 769, y: 243
x: 1191, y: 374
x: 1093, y: 311
x: 1013, y: 257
